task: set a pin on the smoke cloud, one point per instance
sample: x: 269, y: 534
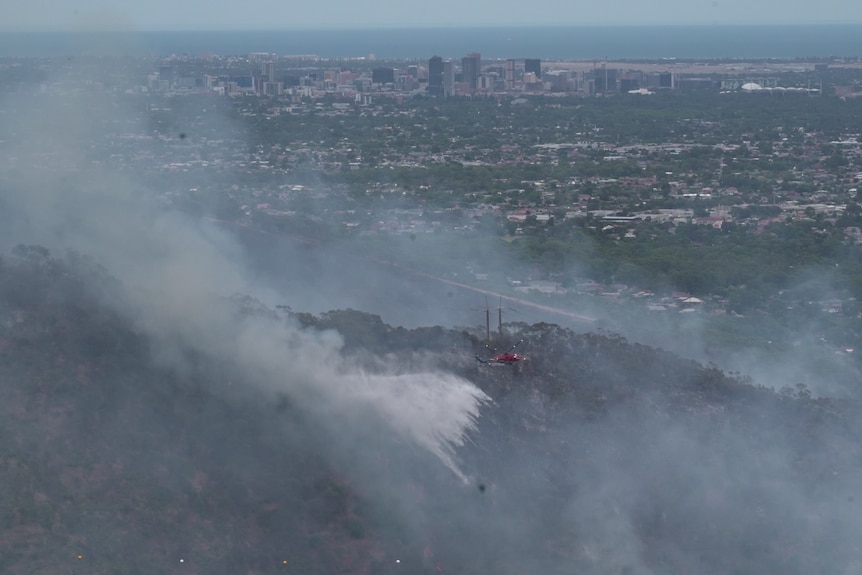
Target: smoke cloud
x: 64, y: 193
x: 571, y: 476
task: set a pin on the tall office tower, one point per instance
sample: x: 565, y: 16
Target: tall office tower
x: 267, y: 70
x: 448, y: 79
x: 533, y: 65
x: 606, y: 81
x: 167, y: 75
x: 435, y: 77
x: 272, y: 89
x: 629, y: 82
x: 471, y: 67
x: 665, y: 80
x: 488, y: 82
x: 509, y: 76
x: 559, y: 80
x: 383, y: 75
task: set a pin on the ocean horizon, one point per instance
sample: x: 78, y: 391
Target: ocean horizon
x: 702, y: 42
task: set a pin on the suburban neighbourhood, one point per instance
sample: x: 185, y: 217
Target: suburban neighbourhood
x: 528, y: 151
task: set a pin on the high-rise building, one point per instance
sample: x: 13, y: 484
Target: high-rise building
x: 558, y: 79
x: 629, y: 83
x: 383, y: 75
x: 487, y: 82
x: 167, y: 75
x: 509, y: 75
x: 606, y: 80
x: 272, y: 89
x: 267, y: 70
x: 448, y: 79
x: 471, y: 67
x: 435, y: 77
x: 533, y: 65
x: 665, y: 80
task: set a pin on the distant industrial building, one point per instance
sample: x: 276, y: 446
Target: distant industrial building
x: 697, y: 83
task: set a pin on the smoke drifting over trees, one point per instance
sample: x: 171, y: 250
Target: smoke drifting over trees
x: 160, y: 413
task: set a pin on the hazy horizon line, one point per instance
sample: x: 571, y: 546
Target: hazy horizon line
x: 393, y: 27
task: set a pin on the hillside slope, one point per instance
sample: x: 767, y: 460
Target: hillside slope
x: 599, y: 456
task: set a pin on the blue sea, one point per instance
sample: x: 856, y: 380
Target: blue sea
x: 547, y: 43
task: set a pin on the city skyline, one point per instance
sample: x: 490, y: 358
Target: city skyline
x: 112, y: 15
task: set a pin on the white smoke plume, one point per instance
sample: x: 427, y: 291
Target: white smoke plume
x: 180, y: 271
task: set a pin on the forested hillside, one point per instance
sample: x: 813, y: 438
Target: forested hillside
x: 599, y: 456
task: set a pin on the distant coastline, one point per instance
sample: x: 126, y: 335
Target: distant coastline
x: 713, y: 42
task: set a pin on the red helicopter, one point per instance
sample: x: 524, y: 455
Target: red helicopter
x: 505, y: 358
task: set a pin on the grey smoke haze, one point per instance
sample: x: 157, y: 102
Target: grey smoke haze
x: 62, y: 194
x: 708, y: 489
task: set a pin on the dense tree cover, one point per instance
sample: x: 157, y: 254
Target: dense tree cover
x: 134, y: 467
x: 703, y: 260
x: 601, y: 454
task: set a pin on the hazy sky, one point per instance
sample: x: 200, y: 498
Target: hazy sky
x: 278, y: 14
